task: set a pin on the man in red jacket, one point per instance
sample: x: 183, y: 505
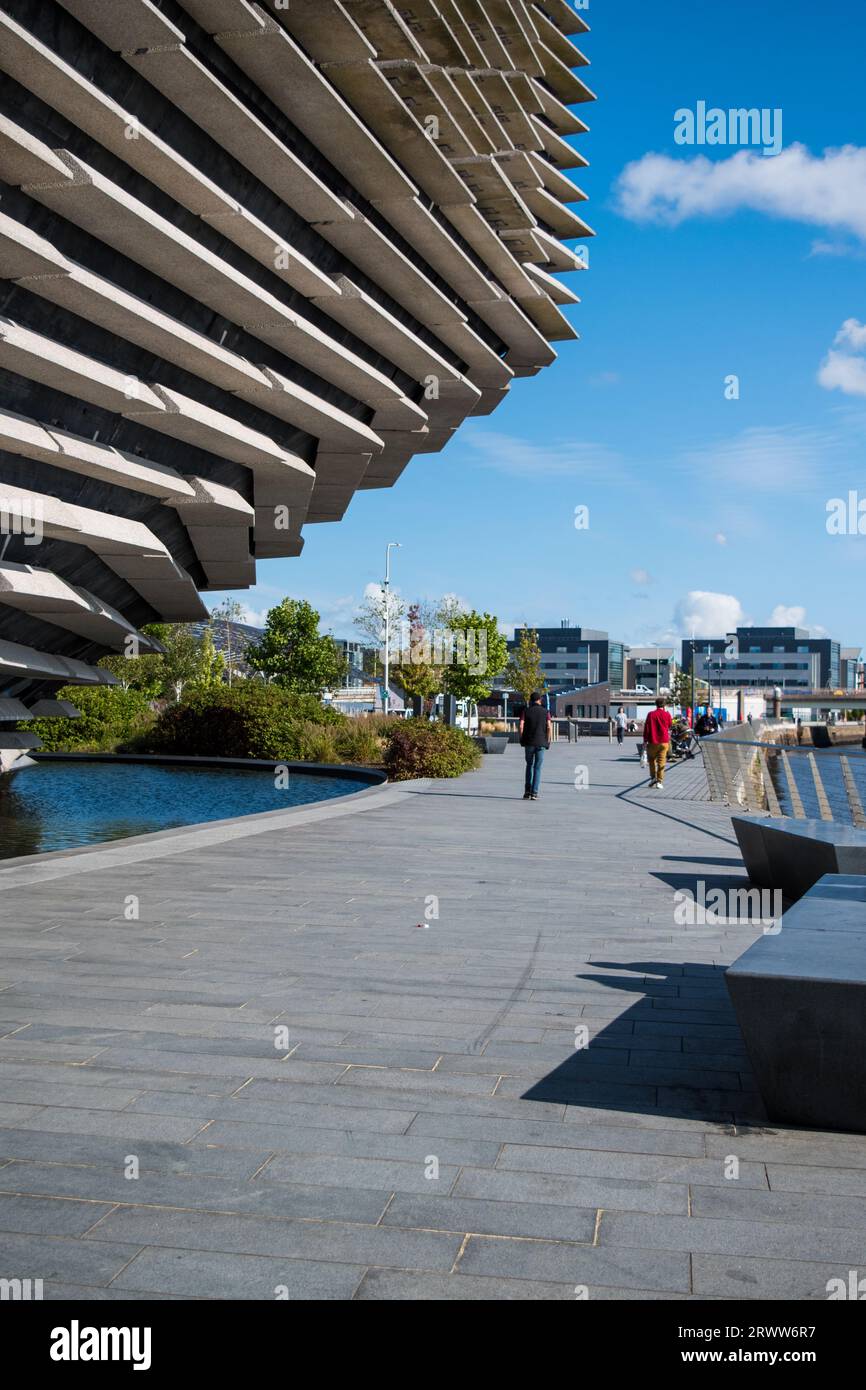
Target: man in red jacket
x: 657, y: 741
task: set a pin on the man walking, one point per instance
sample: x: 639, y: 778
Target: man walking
x: 534, y: 739
x: 657, y: 741
x: 621, y: 724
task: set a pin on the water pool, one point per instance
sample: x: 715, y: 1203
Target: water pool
x: 52, y: 805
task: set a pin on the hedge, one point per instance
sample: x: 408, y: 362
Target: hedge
x: 110, y: 716
x: 241, y: 721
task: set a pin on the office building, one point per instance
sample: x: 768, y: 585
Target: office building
x: 765, y: 656
x: 576, y: 656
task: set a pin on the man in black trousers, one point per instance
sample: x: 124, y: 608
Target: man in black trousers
x: 534, y: 739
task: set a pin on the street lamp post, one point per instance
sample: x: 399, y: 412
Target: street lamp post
x: 386, y: 694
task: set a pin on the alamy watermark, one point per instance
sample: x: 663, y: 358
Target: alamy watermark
x: 738, y: 906
x: 439, y: 646
x: 22, y: 516
x: 846, y: 516
x: 737, y: 126
x: 21, y: 1290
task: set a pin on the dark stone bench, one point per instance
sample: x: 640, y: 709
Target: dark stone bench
x: 781, y: 852
x: 800, y: 999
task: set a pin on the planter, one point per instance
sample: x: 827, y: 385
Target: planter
x: 491, y: 743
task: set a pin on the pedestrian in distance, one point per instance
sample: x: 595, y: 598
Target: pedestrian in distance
x: 707, y: 724
x: 534, y: 740
x: 621, y: 724
x: 657, y: 741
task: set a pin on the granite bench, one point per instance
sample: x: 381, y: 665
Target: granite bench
x: 781, y: 852
x: 800, y: 1000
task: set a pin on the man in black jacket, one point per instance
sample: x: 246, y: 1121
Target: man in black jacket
x: 534, y: 739
x: 707, y: 724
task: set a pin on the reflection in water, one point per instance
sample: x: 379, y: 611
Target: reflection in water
x: 57, y: 805
x: 830, y: 771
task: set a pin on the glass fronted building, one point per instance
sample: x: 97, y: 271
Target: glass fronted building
x: 765, y: 656
x: 572, y: 657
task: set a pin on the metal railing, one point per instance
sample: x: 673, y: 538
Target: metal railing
x: 565, y: 728
x: 804, y: 783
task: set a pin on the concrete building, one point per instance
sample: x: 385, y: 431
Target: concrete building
x: 576, y: 656
x: 765, y: 656
x: 254, y: 258
x: 653, y: 667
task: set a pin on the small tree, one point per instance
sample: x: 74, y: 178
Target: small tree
x: 293, y: 653
x: 681, y: 690
x: 523, y: 671
x: 228, y: 612
x: 370, y: 620
x: 180, y: 662
x: 134, y: 669
x: 418, y: 675
x: 480, y: 652
x: 210, y: 663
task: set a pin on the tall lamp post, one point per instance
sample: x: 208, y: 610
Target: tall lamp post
x: 386, y: 694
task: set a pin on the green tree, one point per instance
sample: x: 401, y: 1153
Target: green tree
x: 523, y: 671
x: 479, y: 655
x: 180, y: 659
x: 135, y: 669
x: 210, y: 663
x: 416, y: 672
x: 681, y: 690
x: 227, y: 613
x: 293, y: 653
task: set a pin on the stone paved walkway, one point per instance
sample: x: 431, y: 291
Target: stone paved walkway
x: 426, y: 1127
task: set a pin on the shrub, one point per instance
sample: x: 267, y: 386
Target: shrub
x: 359, y: 742
x: 110, y: 716
x: 315, y: 743
x: 241, y: 721
x: 418, y: 749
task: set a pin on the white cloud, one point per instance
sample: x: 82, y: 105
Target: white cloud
x: 845, y: 370
x: 852, y: 332
x: 256, y: 617
x: 794, y: 615
x: 845, y: 249
x: 707, y: 614
x: 841, y: 372
x: 523, y: 458
x: 767, y: 457
x: 641, y: 577
x: 827, y: 190
x: 782, y: 616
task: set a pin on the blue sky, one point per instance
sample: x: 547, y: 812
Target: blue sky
x: 702, y: 510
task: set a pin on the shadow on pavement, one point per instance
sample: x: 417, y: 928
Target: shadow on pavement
x: 676, y: 1050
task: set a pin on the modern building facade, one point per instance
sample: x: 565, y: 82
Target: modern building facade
x: 254, y: 258
x: 852, y: 677
x: 576, y: 656
x: 652, y: 667
x: 765, y: 656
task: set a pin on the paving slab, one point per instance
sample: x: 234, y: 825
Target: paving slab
x: 555, y: 1045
